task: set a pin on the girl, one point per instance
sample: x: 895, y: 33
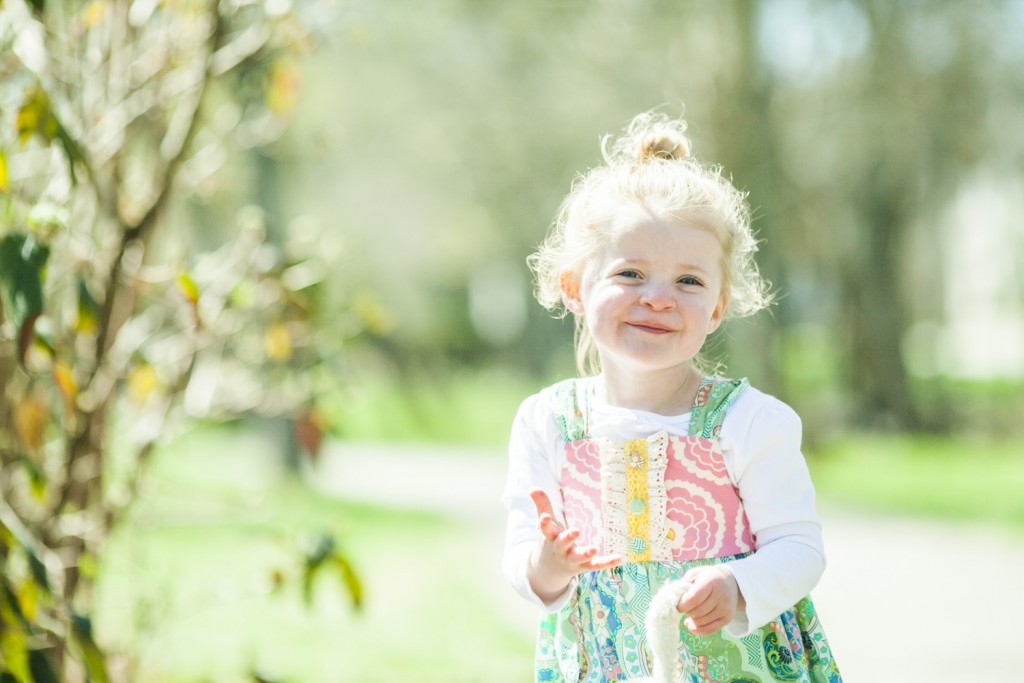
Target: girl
x: 645, y: 471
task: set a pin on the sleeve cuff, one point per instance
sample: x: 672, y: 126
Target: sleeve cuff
x: 740, y: 624
x: 559, y: 602
x: 773, y: 580
x: 519, y: 558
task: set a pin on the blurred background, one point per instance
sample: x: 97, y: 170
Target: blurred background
x: 253, y: 427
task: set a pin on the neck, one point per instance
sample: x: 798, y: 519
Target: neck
x: 662, y: 392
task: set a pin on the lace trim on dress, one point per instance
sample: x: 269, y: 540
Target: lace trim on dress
x: 634, y: 498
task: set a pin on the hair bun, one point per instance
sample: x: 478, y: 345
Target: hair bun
x: 662, y: 143
x: 650, y: 136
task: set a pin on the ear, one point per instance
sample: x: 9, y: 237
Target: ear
x: 571, y: 292
x: 718, y: 313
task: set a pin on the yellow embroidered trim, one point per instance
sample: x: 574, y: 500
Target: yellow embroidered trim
x: 638, y: 520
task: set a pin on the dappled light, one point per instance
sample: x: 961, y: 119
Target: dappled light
x: 266, y: 316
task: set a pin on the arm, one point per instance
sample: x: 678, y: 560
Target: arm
x: 533, y: 464
x: 541, y: 557
x: 778, y: 498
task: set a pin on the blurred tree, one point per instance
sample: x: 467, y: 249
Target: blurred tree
x: 111, y: 111
x: 934, y: 106
x: 898, y: 124
x: 747, y: 143
x: 456, y: 128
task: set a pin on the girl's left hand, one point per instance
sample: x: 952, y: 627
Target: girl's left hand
x: 712, y: 600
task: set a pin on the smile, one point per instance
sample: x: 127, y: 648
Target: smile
x: 651, y: 327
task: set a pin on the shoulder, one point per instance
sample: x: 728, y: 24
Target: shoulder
x: 538, y: 434
x: 760, y: 427
x: 540, y: 412
x: 548, y: 399
x: 755, y: 409
x: 760, y: 431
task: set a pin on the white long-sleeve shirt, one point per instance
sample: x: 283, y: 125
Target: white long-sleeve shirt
x: 760, y: 442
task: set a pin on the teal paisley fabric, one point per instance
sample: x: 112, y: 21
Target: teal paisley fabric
x: 599, y: 635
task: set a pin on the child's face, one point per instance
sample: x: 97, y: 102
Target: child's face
x: 651, y: 296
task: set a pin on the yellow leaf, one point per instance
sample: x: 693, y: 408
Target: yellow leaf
x: 35, y: 117
x: 278, y: 342
x: 40, y: 354
x: 142, y: 380
x: 283, y: 89
x: 88, y: 565
x: 88, y: 310
x: 36, y: 480
x: 187, y: 286
x: 3, y: 173
x: 13, y: 646
x: 30, y: 419
x: 28, y: 599
x: 65, y: 380
x: 95, y: 12
x: 350, y: 579
x: 26, y: 122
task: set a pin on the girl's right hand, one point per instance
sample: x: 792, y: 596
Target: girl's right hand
x: 558, y: 558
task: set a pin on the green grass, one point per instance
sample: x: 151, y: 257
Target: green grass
x: 189, y: 583
x: 204, y: 581
x: 953, y: 478
x: 977, y: 480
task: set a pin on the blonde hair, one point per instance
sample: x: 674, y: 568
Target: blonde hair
x: 647, y: 169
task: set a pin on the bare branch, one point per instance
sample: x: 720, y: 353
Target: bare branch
x: 139, y: 229
x: 247, y: 44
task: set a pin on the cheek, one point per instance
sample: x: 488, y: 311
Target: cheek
x: 698, y: 305
x: 605, y: 299
x: 703, y: 310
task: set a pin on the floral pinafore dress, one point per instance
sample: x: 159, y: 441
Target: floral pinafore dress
x: 667, y: 504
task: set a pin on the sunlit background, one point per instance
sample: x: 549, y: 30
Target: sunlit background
x: 258, y: 370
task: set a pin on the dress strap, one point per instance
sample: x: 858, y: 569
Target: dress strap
x: 714, y: 397
x: 571, y: 408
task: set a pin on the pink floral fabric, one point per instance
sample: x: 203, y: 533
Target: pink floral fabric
x: 704, y: 515
x: 599, y: 635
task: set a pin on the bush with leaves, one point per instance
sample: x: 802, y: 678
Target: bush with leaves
x: 104, y: 127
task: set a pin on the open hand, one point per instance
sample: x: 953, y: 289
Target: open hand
x: 558, y: 557
x: 712, y: 600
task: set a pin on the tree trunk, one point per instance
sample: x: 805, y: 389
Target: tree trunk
x: 749, y: 155
x: 875, y: 310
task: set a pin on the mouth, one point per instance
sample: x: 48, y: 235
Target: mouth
x: 651, y: 327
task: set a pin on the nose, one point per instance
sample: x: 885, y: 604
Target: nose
x: 658, y: 297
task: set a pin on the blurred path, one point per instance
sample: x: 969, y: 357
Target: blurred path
x: 903, y: 600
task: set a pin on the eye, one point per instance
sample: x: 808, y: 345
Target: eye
x: 690, y: 281
x: 629, y: 273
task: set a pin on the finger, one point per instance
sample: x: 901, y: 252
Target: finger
x: 681, y: 589
x: 604, y: 562
x: 703, y: 611
x: 695, y: 597
x: 710, y: 610
x: 699, y: 628
x: 565, y: 539
x: 581, y: 554
x: 541, y: 502
x: 549, y: 527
